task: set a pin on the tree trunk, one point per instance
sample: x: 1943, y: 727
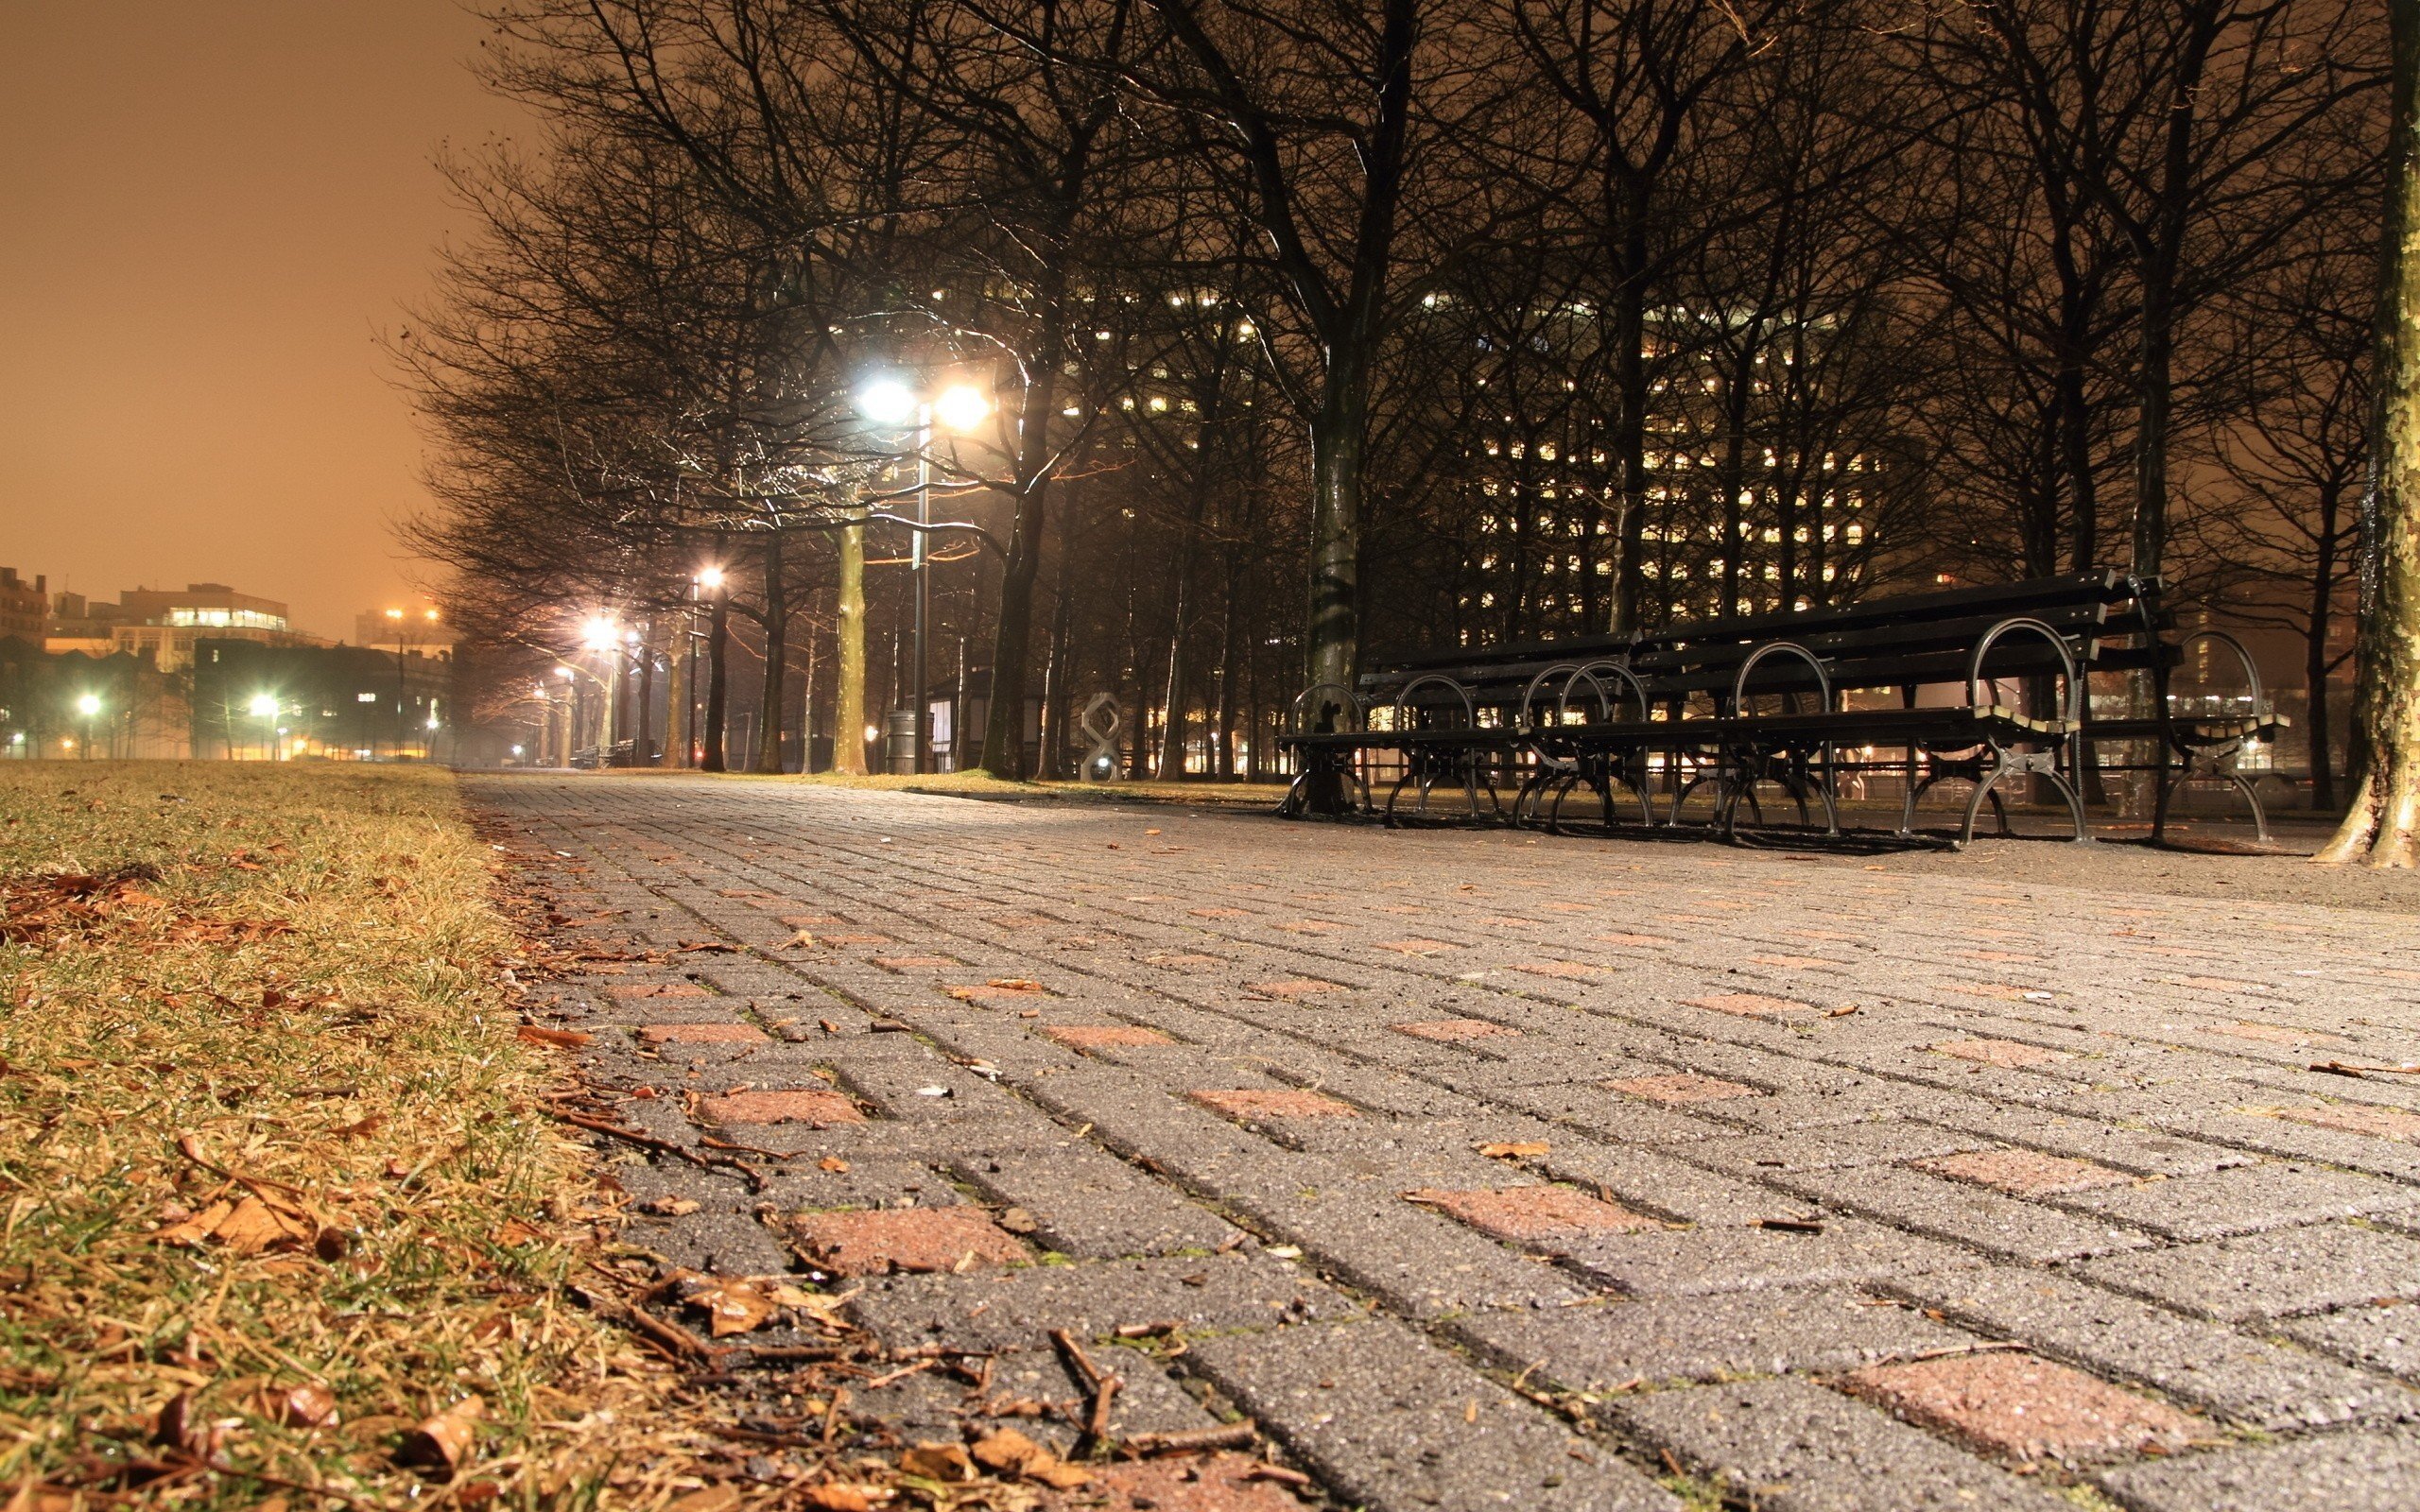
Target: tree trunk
x: 777, y: 626
x: 2153, y: 385
x: 1631, y: 395
x: 2383, y: 823
x: 849, y: 698
x: 718, y: 684
x: 641, y: 753
x: 1047, y: 765
x: 1178, y: 725
x: 677, y: 695
x: 1230, y: 631
x: 1334, y: 641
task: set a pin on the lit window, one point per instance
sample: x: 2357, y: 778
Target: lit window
x: 365, y: 698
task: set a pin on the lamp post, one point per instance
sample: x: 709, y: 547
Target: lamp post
x: 709, y: 580
x: 961, y: 408
x: 563, y: 726
x: 87, y: 705
x: 603, y: 637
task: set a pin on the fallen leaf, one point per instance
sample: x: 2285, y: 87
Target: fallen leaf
x: 833, y: 1496
x: 255, y: 1226
x: 1019, y: 1221
x: 800, y: 941
x: 1016, y: 984
x: 310, y: 1405
x: 712, y: 1499
x: 671, y: 1207
x: 444, y: 1441
x: 1515, y: 1150
x: 570, y: 1038
x: 945, y: 1463
x: 834, y: 1164
x: 1010, y: 1453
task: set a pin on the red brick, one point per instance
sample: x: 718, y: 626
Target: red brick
x: 2274, y: 1034
x: 808, y: 1106
x: 2007, y: 1054
x: 1416, y: 947
x: 1221, y: 1483
x: 1751, y: 1005
x: 810, y: 920
x: 2023, y: 1408
x: 1563, y: 971
x: 1682, y: 1086
x: 1002, y: 986
x: 909, y: 1239
x: 658, y: 989
x: 1220, y: 913
x: 1298, y: 987
x: 2025, y: 1173
x: 1309, y: 926
x: 701, y: 1034
x: 1533, y: 1214
x: 904, y: 963
x: 855, y: 939
x: 1447, y: 1031
x: 1249, y: 1103
x: 1020, y: 921
x: 1986, y: 990
x: 1105, y: 1036
x: 2354, y: 1118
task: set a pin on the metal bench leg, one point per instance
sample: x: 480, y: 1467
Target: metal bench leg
x: 2075, y: 804
x: 2259, y: 815
x: 1975, y: 806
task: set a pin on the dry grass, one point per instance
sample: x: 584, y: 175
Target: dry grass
x: 274, y: 1187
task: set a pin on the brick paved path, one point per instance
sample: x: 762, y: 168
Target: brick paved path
x: 1482, y: 1170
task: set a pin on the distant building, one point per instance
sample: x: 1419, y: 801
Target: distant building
x: 164, y: 625
x: 422, y: 630
x: 332, y: 702
x: 25, y: 608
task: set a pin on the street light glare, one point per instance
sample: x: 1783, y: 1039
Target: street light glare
x: 88, y: 705
x: 710, y: 577
x: 264, y: 705
x: 600, y: 633
x: 887, y: 402
x: 962, y: 407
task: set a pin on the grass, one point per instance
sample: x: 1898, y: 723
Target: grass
x: 274, y: 1188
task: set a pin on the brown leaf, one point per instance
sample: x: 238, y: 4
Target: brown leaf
x: 671, y: 1207
x: 1016, y: 984
x: 834, y: 1164
x: 712, y: 1499
x: 945, y: 1463
x: 310, y: 1405
x: 444, y: 1441
x: 802, y: 940
x: 193, y: 1231
x: 531, y: 1034
x: 1007, y: 1451
x: 1513, y: 1150
x: 833, y: 1496
x: 255, y: 1226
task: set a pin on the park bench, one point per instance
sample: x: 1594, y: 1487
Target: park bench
x: 1804, y: 702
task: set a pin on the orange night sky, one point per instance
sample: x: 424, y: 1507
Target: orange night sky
x: 208, y: 210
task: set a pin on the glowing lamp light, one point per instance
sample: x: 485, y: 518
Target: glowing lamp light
x: 710, y: 577
x: 961, y: 408
x: 873, y: 733
x: 887, y: 402
x: 599, y: 633
x: 89, y: 705
x: 264, y: 705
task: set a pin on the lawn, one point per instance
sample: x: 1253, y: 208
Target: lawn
x: 279, y: 1208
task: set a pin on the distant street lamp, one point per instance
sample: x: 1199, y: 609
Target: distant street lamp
x: 264, y: 707
x: 87, y: 705
x: 603, y: 637
x: 961, y: 407
x: 709, y: 581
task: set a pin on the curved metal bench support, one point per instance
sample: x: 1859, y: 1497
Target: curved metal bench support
x: 2213, y: 763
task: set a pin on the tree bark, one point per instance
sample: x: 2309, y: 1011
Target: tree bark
x: 2383, y: 824
x: 777, y: 625
x: 849, y: 698
x: 718, y: 681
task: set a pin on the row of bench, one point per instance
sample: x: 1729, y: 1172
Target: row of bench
x: 1982, y: 686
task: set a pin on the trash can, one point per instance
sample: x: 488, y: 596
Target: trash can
x: 899, y: 743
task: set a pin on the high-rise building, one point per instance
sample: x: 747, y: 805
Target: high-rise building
x: 25, y: 608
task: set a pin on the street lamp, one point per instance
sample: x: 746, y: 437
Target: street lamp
x: 603, y: 637
x: 87, y: 705
x: 264, y: 708
x: 961, y: 407
x: 708, y: 583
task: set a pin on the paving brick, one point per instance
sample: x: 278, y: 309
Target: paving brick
x: 1791, y: 1446
x: 657, y: 990
x: 2343, y: 1472
x: 2384, y: 1338
x: 703, y: 1034
x: 1105, y: 1036
x: 1090, y: 1205
x: 1390, y: 1421
x: 1704, y: 1338
x: 1680, y: 1087
x: 2019, y: 1407
x: 1751, y: 1005
x: 1706, y: 1260
x: 1294, y: 987
x: 769, y: 1106
x: 1874, y: 1144
x: 1455, y: 1031
x: 914, y: 1239
x: 2023, y: 1173
x: 2243, y: 1200
x: 1247, y: 1104
x: 1987, y: 1221
x: 2011, y: 1054
x: 2379, y: 1123
x: 1532, y: 1215
x: 2270, y: 1274
x: 2232, y: 1375
x: 1017, y: 1309
x: 1416, y: 947
x: 1563, y: 971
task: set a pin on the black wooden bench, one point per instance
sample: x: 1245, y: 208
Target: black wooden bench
x: 1801, y: 701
